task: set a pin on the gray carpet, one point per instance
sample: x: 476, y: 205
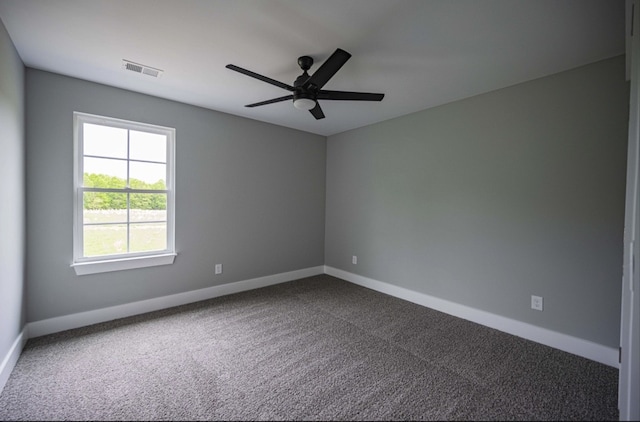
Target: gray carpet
x: 313, y: 349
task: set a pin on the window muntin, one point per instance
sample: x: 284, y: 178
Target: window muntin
x: 124, y: 189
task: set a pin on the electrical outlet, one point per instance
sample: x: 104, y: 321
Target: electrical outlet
x: 218, y: 269
x: 536, y: 302
x: 354, y: 259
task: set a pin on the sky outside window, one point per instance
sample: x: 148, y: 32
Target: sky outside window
x: 111, y: 144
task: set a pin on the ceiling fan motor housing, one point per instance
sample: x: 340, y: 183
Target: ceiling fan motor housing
x: 299, y: 83
x: 304, y: 98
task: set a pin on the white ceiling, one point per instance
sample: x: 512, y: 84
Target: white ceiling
x: 420, y: 53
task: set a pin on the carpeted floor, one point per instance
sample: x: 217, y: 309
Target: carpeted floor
x: 313, y: 349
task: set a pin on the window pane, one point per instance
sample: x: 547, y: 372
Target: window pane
x: 105, y: 240
x: 148, y: 237
x: 112, y: 205
x: 104, y: 173
x: 104, y: 141
x: 148, y: 207
x: 104, y: 207
x: 147, y: 146
x: 147, y: 175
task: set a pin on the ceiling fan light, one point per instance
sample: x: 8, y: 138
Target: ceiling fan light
x: 304, y: 103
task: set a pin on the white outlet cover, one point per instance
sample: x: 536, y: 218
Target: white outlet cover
x: 354, y: 259
x: 536, y: 302
x: 218, y: 269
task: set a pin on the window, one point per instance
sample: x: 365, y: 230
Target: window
x: 124, y: 191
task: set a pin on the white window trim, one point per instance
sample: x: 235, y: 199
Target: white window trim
x: 92, y: 265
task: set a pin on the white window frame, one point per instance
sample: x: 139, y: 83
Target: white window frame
x: 98, y: 264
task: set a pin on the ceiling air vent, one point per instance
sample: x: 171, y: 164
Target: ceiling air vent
x: 140, y: 68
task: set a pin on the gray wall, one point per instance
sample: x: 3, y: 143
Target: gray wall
x: 491, y: 199
x: 249, y: 195
x: 12, y: 194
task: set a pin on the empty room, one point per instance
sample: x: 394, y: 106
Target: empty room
x: 319, y: 209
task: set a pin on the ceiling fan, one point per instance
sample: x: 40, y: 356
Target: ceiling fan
x: 307, y: 90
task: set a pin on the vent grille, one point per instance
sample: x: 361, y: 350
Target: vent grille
x: 140, y: 68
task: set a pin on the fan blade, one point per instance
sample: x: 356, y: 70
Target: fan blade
x: 328, y: 69
x: 275, y: 100
x: 349, y: 96
x: 317, y: 112
x: 260, y: 77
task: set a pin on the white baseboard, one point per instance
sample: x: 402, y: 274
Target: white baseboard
x: 577, y: 346
x: 12, y: 356
x: 567, y: 343
x: 82, y: 319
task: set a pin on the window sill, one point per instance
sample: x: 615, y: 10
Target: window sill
x: 84, y: 268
